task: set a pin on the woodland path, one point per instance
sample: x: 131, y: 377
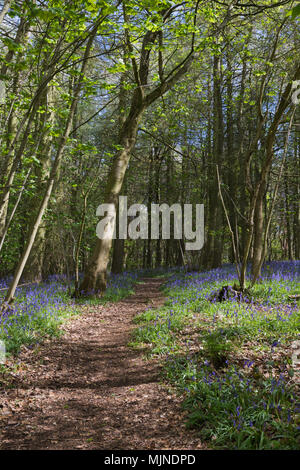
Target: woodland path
x: 89, y: 390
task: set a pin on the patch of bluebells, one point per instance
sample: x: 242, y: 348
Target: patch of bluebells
x: 284, y: 272
x: 35, y: 306
x: 268, y: 305
x: 232, y: 407
x: 231, y: 399
x: 39, y: 308
x: 189, y: 293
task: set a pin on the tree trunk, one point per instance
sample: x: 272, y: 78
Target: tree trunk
x: 96, y: 273
x: 117, y: 265
x: 4, y: 10
x: 214, y: 246
x: 33, y: 271
x: 20, y: 38
x: 54, y: 170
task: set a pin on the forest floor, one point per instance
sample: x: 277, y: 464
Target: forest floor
x: 89, y: 390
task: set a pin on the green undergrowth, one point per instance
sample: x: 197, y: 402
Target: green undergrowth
x: 35, y: 315
x: 110, y: 295
x: 230, y: 361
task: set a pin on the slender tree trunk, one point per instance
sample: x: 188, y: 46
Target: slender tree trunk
x: 117, y: 265
x: 169, y: 188
x: 33, y: 270
x: 157, y: 166
x: 78, y: 244
x: 296, y: 218
x: 258, y: 232
x: 96, y: 273
x: 232, y: 160
x: 214, y: 248
x: 9, y: 221
x: 11, y: 120
x: 150, y: 200
x: 287, y: 219
x: 118, y: 256
x: 54, y: 170
x: 259, y: 263
x: 256, y: 203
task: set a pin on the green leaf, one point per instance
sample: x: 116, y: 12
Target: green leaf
x: 296, y: 11
x: 11, y: 45
x: 117, y: 68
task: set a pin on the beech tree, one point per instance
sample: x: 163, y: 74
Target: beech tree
x: 155, y: 27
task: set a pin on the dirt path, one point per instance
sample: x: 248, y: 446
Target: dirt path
x: 89, y: 390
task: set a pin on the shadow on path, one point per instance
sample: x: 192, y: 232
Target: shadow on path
x: 89, y: 390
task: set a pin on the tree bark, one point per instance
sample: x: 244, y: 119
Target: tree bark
x: 33, y: 271
x: 96, y: 273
